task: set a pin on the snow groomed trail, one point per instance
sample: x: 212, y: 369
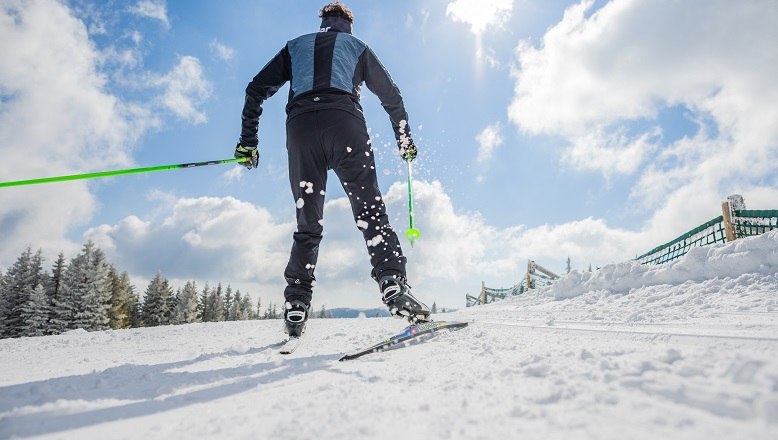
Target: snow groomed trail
x: 684, y: 351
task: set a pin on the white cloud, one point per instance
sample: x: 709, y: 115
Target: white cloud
x: 223, y: 239
x: 156, y: 10
x: 57, y: 118
x: 488, y: 139
x: 185, y: 89
x: 601, y: 80
x: 480, y: 14
x: 221, y: 51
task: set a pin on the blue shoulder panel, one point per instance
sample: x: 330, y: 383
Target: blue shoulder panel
x: 301, y: 53
x: 345, y: 57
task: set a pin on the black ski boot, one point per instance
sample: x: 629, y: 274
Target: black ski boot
x: 396, y: 294
x: 295, y: 315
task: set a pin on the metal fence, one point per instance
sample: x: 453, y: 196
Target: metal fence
x: 731, y: 225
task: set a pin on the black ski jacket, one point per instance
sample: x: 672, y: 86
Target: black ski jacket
x: 326, y: 70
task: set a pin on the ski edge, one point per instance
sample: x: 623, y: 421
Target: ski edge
x: 399, y: 338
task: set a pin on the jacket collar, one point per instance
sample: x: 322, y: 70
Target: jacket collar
x: 335, y: 24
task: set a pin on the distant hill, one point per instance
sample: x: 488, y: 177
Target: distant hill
x: 354, y: 313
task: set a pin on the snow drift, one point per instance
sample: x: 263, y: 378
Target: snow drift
x: 686, y: 350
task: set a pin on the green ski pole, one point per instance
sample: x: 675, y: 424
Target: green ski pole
x: 120, y: 172
x: 412, y: 234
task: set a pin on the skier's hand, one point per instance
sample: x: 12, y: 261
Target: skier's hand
x: 407, y: 149
x: 250, y: 152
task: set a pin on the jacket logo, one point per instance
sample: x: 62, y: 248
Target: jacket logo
x: 325, y: 29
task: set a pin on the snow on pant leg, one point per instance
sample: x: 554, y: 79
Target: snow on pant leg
x: 308, y: 179
x: 354, y: 163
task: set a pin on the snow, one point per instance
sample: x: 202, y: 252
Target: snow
x: 682, y: 351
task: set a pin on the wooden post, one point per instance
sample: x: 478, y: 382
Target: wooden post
x: 483, y: 292
x: 729, y: 228
x: 529, y: 274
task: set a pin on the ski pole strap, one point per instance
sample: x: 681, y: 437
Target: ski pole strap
x: 120, y: 172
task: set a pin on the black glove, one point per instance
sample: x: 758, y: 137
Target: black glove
x: 250, y: 152
x: 407, y: 148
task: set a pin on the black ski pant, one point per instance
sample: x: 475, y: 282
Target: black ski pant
x: 316, y: 142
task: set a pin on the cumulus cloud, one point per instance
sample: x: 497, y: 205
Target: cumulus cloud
x: 488, y: 139
x: 601, y: 79
x: 156, y: 10
x: 185, y: 89
x: 55, y: 105
x: 221, y: 51
x: 480, y: 14
x: 212, y: 239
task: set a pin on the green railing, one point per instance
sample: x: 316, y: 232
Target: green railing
x: 707, y: 233
x: 745, y: 223
x: 748, y: 223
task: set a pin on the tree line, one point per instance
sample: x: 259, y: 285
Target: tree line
x: 90, y: 293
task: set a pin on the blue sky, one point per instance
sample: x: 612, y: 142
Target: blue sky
x: 546, y: 129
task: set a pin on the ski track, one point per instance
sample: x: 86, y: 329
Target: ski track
x: 487, y: 380
x: 674, y: 356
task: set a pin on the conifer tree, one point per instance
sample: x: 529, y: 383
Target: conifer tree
x: 568, y: 268
x: 216, y: 305
x: 134, y: 309
x: 235, y: 307
x: 20, y: 281
x: 119, y: 313
x: 187, y: 304
x: 246, y: 311
x: 2, y: 303
x: 259, y: 309
x: 205, y: 310
x: 35, y: 314
x: 156, y: 302
x: 434, y: 308
x: 228, y: 300
x: 90, y: 289
x: 55, y: 296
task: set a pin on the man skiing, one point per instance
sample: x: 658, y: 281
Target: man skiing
x: 326, y: 129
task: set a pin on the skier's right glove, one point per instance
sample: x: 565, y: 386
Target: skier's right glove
x: 250, y: 152
x: 407, y: 148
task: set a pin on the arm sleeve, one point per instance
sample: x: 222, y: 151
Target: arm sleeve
x: 264, y: 85
x: 379, y: 82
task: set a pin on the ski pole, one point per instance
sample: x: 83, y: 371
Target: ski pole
x: 120, y: 172
x: 412, y: 234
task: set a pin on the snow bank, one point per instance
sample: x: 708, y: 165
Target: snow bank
x: 755, y: 255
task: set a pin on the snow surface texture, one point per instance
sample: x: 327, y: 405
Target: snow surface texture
x: 683, y: 351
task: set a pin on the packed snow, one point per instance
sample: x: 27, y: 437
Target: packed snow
x: 687, y: 350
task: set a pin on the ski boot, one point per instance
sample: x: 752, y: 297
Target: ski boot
x: 295, y: 315
x: 396, y: 294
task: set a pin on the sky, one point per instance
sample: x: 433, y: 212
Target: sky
x: 593, y: 130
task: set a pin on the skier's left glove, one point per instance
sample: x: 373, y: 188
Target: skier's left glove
x: 407, y: 148
x: 250, y: 152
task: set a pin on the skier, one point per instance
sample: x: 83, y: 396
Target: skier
x: 326, y: 129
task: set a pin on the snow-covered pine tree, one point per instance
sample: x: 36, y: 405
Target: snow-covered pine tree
x: 216, y: 304
x: 234, y: 311
x: 81, y: 292
x: 205, y: 310
x: 35, y: 314
x: 156, y: 302
x: 246, y: 311
x: 91, y: 289
x: 568, y: 268
x: 187, y: 304
x: 119, y: 313
x: 2, y: 302
x: 19, y: 283
x: 54, y: 294
x: 258, y: 315
x: 134, y: 307
x: 228, y: 300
